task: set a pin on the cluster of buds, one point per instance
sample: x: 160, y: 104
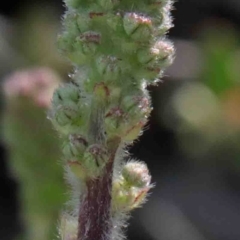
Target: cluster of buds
x: 131, y: 188
x: 67, y: 109
x: 117, y: 48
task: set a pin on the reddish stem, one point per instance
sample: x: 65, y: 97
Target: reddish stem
x: 94, y: 221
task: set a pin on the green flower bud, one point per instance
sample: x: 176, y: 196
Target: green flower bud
x: 114, y: 21
x: 75, y: 147
x: 136, y: 105
x: 136, y: 174
x: 77, y: 168
x: 87, y: 43
x: 108, y: 4
x: 139, y: 196
x: 125, y: 198
x: 70, y: 23
x: 133, y: 132
x: 95, y: 158
x: 66, y: 93
x: 113, y: 121
x: 128, y: 46
x: 70, y: 151
x: 137, y: 26
x: 127, y: 122
x: 101, y: 91
x: 78, y: 142
x: 108, y: 67
x: 122, y: 201
x: 66, y: 114
x: 121, y: 197
x: 115, y: 93
x: 73, y: 3
x: 64, y: 42
x: 83, y: 22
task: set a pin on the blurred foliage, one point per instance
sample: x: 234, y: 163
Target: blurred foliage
x: 205, y: 112
x: 34, y: 150
x: 35, y: 36
x: 34, y: 154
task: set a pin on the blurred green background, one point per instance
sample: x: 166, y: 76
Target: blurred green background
x: 192, y: 141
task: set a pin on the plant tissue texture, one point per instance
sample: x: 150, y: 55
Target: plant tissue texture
x: 117, y: 48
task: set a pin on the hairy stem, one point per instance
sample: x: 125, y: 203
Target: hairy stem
x: 94, y: 214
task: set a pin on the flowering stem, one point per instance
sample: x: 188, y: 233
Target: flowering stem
x: 118, y: 47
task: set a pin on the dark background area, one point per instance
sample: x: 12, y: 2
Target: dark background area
x: 191, y: 201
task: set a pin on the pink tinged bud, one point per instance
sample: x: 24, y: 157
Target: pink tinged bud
x: 88, y: 42
x: 95, y: 158
x: 160, y: 55
x: 136, y: 174
x: 149, y: 74
x: 137, y: 26
x: 145, y: 56
x: 163, y: 49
